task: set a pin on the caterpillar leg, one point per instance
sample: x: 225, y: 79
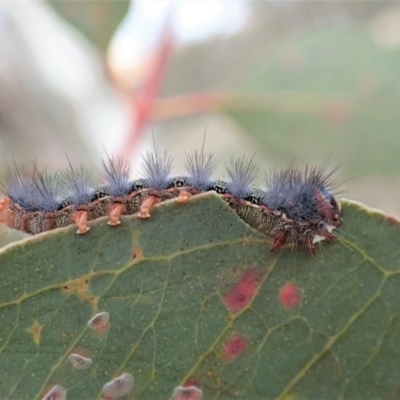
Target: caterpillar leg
x: 279, y: 239
x: 325, y: 233
x: 308, y: 242
x: 283, y: 236
x: 183, y: 197
x: 147, y: 205
x: 81, y: 218
x: 114, y: 212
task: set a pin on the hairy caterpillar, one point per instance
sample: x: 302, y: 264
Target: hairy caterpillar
x: 296, y: 206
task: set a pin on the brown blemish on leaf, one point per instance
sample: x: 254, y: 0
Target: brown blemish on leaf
x: 137, y: 253
x: 80, y: 288
x: 243, y: 292
x: 35, y: 330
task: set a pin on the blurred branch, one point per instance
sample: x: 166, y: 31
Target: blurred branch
x: 292, y: 102
x: 142, y: 101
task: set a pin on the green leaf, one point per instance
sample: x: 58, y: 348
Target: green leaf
x: 195, y: 296
x: 97, y: 20
x: 318, y: 89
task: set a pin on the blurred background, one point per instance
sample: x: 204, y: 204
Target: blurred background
x: 287, y: 81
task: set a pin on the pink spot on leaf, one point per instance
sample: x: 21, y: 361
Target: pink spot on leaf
x: 119, y: 387
x: 99, y: 322
x: 233, y: 347
x: 187, y: 393
x: 243, y: 292
x: 80, y: 362
x: 192, y: 381
x: 392, y: 219
x: 290, y: 295
x: 57, y: 392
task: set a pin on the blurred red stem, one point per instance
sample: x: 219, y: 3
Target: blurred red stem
x: 142, y: 102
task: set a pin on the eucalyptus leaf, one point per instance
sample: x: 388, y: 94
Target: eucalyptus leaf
x: 195, y: 298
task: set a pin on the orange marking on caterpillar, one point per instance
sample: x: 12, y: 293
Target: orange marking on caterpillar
x: 7, y: 216
x: 4, y: 203
x: 243, y: 292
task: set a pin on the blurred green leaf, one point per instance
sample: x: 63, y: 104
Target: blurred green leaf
x: 168, y: 283
x: 326, y: 91
x: 97, y: 20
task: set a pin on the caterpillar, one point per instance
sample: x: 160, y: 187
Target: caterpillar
x: 295, y: 207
